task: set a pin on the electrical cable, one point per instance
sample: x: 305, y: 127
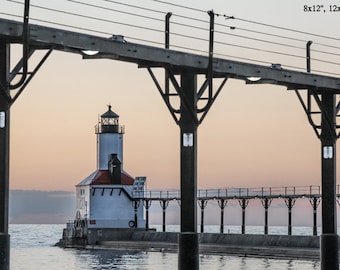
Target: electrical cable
x: 258, y: 23
x: 92, y: 18
x: 288, y: 29
x: 195, y: 27
x: 115, y: 10
x: 200, y: 28
x: 133, y: 6
x: 180, y: 6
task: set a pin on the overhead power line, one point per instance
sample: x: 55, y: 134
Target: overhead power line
x: 288, y: 29
x: 190, y: 27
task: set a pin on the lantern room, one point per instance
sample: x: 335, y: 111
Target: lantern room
x: 109, y: 123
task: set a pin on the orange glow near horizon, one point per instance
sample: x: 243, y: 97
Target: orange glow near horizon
x: 253, y: 136
x: 244, y: 141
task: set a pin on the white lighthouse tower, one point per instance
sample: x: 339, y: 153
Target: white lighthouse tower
x: 109, y: 139
x: 105, y: 200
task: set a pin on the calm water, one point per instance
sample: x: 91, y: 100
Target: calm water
x: 32, y: 247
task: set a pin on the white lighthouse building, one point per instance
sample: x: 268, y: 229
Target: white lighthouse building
x: 105, y: 199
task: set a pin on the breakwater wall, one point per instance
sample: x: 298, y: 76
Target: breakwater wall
x: 278, y: 246
x: 296, y: 241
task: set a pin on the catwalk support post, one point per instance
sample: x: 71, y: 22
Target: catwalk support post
x: 266, y: 203
x: 188, y: 249
x: 329, y: 239
x: 290, y: 204
x: 4, y: 155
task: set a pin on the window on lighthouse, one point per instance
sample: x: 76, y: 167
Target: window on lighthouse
x: 109, y: 121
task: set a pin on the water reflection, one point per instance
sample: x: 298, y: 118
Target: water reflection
x: 111, y: 259
x: 32, y: 250
x: 266, y: 263
x: 249, y: 263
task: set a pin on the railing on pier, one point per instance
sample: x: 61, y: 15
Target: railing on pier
x: 243, y: 195
x: 157, y: 195
x: 271, y: 192
x: 234, y: 193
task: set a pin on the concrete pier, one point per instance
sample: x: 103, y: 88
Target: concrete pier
x: 273, y: 246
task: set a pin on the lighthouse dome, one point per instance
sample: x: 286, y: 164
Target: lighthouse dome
x: 110, y: 114
x: 109, y: 123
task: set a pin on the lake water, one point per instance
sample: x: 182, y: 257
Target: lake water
x: 32, y: 247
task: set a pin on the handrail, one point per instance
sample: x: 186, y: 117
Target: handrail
x: 234, y: 193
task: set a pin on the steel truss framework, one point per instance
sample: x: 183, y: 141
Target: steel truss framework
x: 323, y: 89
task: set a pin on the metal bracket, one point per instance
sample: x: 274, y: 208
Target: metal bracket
x: 243, y: 203
x: 315, y: 201
x: 25, y: 47
x: 147, y: 204
x: 222, y: 203
x: 202, y: 203
x: 198, y: 114
x: 167, y: 96
x: 290, y: 202
x: 319, y: 109
x: 266, y: 202
x: 31, y: 75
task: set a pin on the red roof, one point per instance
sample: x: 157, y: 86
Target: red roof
x: 103, y: 177
x: 127, y: 179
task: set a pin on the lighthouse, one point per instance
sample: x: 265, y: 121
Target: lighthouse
x: 109, y: 139
x: 105, y: 199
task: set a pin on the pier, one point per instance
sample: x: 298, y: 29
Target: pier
x: 243, y: 195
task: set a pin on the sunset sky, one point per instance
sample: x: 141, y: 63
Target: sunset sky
x: 253, y: 136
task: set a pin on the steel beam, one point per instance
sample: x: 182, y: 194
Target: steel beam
x: 188, y: 131
x: 47, y: 37
x: 4, y: 154
x: 188, y: 258
x: 329, y: 238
